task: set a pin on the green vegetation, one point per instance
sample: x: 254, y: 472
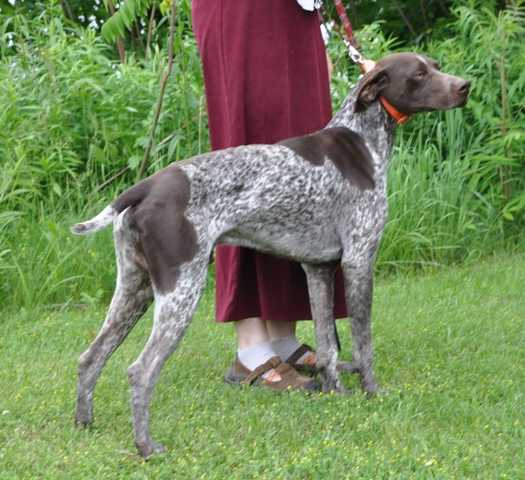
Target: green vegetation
x: 73, y: 118
x: 450, y: 350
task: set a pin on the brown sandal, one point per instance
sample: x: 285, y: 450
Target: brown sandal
x: 307, y: 368
x: 238, y: 374
x: 311, y: 368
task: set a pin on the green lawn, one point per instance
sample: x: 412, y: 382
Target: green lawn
x: 450, y: 352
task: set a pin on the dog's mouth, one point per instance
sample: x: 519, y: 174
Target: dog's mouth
x: 461, y: 101
x: 463, y: 93
x: 455, y: 99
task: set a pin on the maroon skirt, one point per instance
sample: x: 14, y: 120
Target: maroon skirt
x: 266, y: 79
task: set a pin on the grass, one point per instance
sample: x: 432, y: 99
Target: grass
x: 450, y: 350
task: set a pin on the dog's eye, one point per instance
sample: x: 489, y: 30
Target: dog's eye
x: 420, y: 74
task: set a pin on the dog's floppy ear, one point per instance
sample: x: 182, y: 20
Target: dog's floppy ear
x: 369, y: 87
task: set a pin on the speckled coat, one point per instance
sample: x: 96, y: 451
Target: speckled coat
x: 319, y: 200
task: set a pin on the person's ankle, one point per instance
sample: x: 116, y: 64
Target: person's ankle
x: 255, y: 355
x: 286, y: 346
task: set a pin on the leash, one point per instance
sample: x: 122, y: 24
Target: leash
x: 364, y: 64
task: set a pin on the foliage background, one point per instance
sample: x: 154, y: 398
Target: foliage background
x: 73, y: 115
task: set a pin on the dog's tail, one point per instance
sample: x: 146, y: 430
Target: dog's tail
x: 102, y: 220
x: 131, y: 197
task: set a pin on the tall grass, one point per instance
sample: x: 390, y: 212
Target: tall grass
x: 72, y: 117
x: 437, y: 215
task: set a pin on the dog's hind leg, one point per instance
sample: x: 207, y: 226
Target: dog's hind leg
x: 133, y: 295
x: 173, y: 313
x: 320, y: 280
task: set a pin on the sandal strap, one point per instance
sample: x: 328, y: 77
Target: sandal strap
x: 273, y: 362
x: 295, y: 356
x: 291, y: 378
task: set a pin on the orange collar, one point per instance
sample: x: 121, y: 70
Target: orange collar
x: 400, y: 118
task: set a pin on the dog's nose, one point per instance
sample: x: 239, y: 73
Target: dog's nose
x: 464, y: 86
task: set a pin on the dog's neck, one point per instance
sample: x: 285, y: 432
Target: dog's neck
x: 375, y: 125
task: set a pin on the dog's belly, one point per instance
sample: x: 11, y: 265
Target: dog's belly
x: 315, y: 245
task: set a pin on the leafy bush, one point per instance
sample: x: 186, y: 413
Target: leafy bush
x: 72, y: 118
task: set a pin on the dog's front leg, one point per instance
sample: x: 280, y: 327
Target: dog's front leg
x: 359, y: 281
x: 321, y: 290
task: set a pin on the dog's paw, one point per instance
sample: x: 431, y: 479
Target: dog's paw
x: 83, y: 418
x: 371, y: 389
x: 148, y: 449
x: 329, y: 385
x: 347, y: 367
x: 381, y: 392
x: 83, y: 423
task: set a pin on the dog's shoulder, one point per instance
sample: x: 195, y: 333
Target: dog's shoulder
x: 345, y: 148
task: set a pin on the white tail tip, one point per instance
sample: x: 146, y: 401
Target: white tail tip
x: 102, y: 220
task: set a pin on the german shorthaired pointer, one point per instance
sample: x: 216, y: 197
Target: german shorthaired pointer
x: 320, y: 199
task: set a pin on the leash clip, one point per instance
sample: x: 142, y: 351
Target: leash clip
x: 364, y: 64
x: 355, y: 55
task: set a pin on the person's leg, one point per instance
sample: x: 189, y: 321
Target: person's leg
x: 254, y: 345
x: 251, y: 331
x: 284, y: 342
x: 287, y: 46
x: 278, y: 330
x: 259, y: 340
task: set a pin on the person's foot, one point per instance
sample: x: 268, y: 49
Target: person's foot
x: 273, y: 374
x: 258, y: 354
x: 304, y: 360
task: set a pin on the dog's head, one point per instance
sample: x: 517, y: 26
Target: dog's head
x: 412, y: 83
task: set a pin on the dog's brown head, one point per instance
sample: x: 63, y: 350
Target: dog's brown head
x: 412, y: 83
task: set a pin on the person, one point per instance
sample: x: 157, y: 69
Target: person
x: 266, y: 79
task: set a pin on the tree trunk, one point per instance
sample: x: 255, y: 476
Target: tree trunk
x: 66, y: 8
x: 151, y: 24
x: 163, y: 83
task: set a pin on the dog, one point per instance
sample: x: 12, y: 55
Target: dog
x: 319, y: 199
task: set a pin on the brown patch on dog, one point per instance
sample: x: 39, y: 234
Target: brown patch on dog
x: 132, y: 196
x: 344, y: 147
x: 167, y: 238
